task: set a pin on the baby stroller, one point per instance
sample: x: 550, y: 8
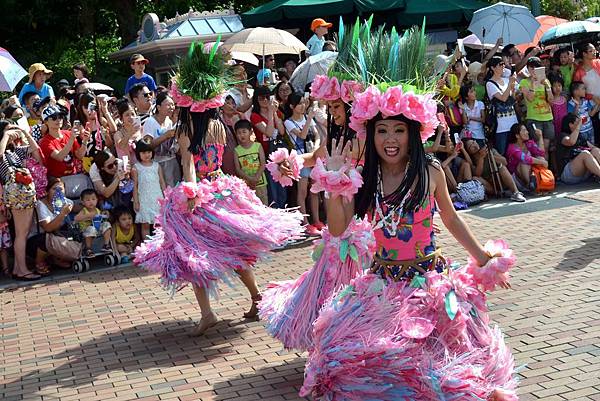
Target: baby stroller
x: 111, y: 256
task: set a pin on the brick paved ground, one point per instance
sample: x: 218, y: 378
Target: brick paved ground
x: 116, y: 335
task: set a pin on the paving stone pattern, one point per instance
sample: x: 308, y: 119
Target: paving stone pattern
x: 116, y: 335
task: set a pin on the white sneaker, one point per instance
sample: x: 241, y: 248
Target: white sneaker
x: 518, y: 197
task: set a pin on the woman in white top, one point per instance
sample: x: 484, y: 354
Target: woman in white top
x: 160, y: 127
x: 473, y: 112
x: 501, y: 91
x: 302, y: 133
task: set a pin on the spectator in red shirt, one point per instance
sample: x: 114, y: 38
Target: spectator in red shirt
x: 266, y: 122
x: 59, y: 147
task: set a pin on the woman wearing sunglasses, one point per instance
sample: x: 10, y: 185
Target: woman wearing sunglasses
x: 106, y: 173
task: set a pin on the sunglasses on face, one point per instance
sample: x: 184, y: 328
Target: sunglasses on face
x: 111, y: 165
x: 54, y: 117
x: 147, y: 95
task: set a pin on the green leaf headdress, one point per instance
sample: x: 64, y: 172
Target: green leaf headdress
x: 202, y: 78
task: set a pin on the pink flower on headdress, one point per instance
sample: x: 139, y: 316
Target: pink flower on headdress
x: 366, y: 104
x: 350, y: 89
x: 359, y: 127
x: 331, y: 91
x: 317, y: 86
x: 393, y: 102
x: 203, y: 105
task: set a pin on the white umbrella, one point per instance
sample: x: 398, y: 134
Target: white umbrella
x: 473, y: 42
x: 264, y: 41
x: 100, y: 87
x: 311, y: 67
x: 245, y: 57
x: 11, y: 71
x: 514, y: 24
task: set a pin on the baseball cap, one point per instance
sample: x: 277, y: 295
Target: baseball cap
x: 33, y: 68
x: 318, y: 22
x: 138, y: 57
x: 51, y: 111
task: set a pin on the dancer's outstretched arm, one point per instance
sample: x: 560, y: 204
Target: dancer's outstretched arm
x: 453, y: 222
x: 339, y: 211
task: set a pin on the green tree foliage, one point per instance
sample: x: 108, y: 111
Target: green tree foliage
x: 60, y: 33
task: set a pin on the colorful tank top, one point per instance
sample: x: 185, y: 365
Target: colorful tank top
x: 413, y: 237
x: 209, y: 160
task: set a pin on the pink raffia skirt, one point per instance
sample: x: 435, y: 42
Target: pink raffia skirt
x: 427, y: 339
x: 290, y: 307
x: 207, y: 230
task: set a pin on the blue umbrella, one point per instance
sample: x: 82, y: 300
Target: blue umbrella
x: 514, y: 24
x: 570, y: 32
x: 11, y: 72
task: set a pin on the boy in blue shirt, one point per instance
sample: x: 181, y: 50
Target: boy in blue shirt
x: 584, y: 109
x: 38, y: 74
x: 315, y: 44
x: 137, y: 62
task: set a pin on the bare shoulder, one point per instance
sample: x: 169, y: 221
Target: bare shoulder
x: 436, y: 175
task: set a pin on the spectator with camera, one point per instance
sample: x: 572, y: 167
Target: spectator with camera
x: 578, y: 158
x: 485, y: 168
x: 130, y: 131
x: 93, y: 114
x: 110, y: 178
x: 19, y: 194
x: 141, y: 97
x: 523, y: 153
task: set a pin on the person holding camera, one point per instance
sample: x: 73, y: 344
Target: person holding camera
x: 60, y: 147
x: 129, y: 133
x: 93, y: 114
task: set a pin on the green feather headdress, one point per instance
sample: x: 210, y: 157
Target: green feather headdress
x: 202, y: 78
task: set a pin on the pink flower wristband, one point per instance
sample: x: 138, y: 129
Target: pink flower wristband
x: 344, y: 182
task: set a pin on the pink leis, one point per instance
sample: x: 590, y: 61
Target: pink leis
x: 343, y: 182
x: 329, y: 88
x: 294, y: 162
x: 394, y: 102
x: 495, y: 271
x: 196, y: 106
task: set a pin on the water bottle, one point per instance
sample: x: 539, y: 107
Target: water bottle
x: 58, y: 200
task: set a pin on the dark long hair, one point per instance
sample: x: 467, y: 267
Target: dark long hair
x: 84, y: 100
x: 99, y: 159
x: 494, y: 61
x: 416, y: 179
x: 259, y: 91
x: 335, y: 131
x: 199, y: 122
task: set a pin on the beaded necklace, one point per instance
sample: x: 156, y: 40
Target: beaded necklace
x: 390, y: 220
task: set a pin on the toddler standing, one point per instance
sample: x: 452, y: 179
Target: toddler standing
x: 148, y: 186
x: 250, y: 160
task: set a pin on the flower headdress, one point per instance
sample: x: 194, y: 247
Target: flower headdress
x: 399, y: 79
x: 202, y: 79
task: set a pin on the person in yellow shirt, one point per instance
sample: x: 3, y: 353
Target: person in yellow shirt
x: 125, y: 235
x: 250, y: 160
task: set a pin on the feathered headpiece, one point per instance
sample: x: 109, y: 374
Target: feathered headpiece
x: 394, y: 69
x: 202, y: 79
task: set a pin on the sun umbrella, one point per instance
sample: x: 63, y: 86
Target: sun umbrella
x: 571, y: 32
x: 264, y: 41
x: 99, y: 87
x: 514, y: 24
x: 546, y: 22
x: 11, y: 72
x: 473, y: 42
x: 241, y: 56
x: 311, y: 67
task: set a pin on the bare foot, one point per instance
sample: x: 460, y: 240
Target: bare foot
x: 499, y: 395
x: 205, y: 323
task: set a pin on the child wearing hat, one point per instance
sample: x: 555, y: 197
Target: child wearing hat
x: 137, y: 62
x: 38, y: 74
x: 315, y: 44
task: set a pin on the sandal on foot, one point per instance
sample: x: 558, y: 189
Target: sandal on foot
x: 42, y: 269
x: 27, y: 277
x: 88, y: 253
x: 253, y: 312
x: 205, y: 324
x: 106, y: 248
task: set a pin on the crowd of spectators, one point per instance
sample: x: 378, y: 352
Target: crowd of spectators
x: 80, y: 165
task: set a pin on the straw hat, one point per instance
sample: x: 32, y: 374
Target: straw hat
x: 37, y: 67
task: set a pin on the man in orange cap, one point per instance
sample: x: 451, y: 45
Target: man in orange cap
x: 315, y: 44
x: 137, y: 62
x: 38, y: 74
